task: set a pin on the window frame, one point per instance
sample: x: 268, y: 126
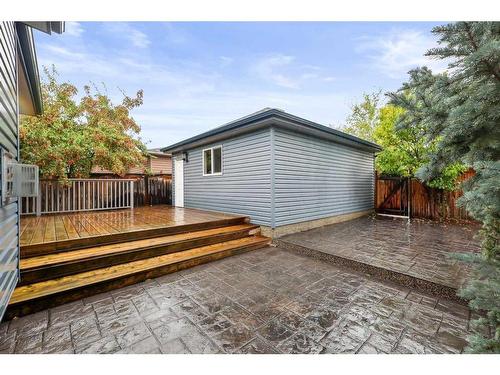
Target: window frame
x: 211, y: 149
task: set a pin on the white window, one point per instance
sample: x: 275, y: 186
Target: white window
x: 212, y: 161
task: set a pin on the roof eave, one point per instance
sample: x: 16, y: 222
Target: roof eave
x: 28, y: 65
x: 218, y: 130
x: 47, y: 27
x: 269, y: 115
x: 28, y: 62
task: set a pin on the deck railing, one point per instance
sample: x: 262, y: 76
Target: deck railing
x: 80, y: 195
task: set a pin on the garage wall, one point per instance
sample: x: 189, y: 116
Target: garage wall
x: 244, y: 187
x: 316, y: 178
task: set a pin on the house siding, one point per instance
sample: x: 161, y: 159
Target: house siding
x: 161, y: 165
x: 245, y: 185
x: 156, y: 164
x: 9, y: 217
x: 316, y: 178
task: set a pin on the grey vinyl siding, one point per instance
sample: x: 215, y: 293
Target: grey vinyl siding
x: 316, y: 178
x: 245, y: 184
x: 9, y: 218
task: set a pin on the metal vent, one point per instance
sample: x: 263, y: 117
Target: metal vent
x: 18, y: 180
x: 25, y: 182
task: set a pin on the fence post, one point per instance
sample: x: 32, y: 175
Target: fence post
x: 132, y: 194
x: 38, y: 200
x: 409, y: 198
x: 147, y: 192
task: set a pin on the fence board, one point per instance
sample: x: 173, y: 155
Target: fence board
x: 426, y: 202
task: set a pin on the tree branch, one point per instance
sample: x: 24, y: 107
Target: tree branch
x: 476, y: 48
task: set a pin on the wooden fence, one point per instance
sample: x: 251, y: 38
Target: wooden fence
x: 423, y: 201
x: 97, y: 194
x: 153, y: 190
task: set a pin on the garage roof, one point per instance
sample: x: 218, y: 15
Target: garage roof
x: 268, y: 117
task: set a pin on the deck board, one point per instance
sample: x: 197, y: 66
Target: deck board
x: 60, y: 229
x: 28, y: 230
x: 70, y: 228
x: 50, y: 228
x: 38, y: 231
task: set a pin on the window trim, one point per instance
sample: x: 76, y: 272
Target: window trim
x: 211, y: 149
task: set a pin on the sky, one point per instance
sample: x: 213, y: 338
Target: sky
x: 199, y: 75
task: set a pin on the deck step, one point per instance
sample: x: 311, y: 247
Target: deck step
x: 46, y: 267
x: 38, y: 296
x: 47, y: 248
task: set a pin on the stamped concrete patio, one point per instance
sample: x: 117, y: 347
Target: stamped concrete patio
x: 416, y: 253
x: 265, y: 301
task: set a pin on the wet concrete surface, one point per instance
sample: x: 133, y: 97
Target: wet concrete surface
x: 418, y: 248
x: 265, y: 301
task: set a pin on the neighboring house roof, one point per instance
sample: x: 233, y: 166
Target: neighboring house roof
x: 30, y: 96
x: 267, y: 117
x: 157, y: 152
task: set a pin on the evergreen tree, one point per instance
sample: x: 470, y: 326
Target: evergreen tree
x: 460, y: 110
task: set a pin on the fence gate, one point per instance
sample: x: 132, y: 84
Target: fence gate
x: 391, y: 195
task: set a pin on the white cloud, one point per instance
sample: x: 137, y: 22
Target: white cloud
x: 73, y: 29
x: 268, y: 69
x: 397, y: 52
x: 308, y: 76
x: 285, y: 71
x: 69, y: 60
x: 175, y: 35
x: 125, y: 69
x: 139, y: 39
x: 62, y: 51
x: 126, y: 31
x: 226, y: 61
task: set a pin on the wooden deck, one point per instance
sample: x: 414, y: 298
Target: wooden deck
x: 73, y: 226
x: 65, y: 257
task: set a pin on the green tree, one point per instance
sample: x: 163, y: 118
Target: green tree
x: 460, y: 110
x: 364, y: 117
x: 404, y: 150
x: 71, y: 137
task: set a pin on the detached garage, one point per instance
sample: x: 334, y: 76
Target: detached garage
x: 286, y: 173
